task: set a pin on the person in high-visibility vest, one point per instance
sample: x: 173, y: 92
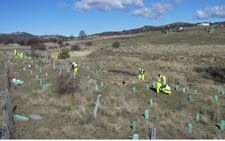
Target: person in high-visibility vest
x: 141, y: 74
x: 14, y: 51
x: 164, y: 80
x: 21, y: 55
x: 166, y: 89
x: 158, y: 83
x: 75, y: 68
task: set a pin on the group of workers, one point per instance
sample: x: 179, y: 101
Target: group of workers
x: 20, y: 54
x: 161, y: 85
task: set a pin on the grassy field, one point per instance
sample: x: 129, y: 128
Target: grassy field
x: 194, y: 60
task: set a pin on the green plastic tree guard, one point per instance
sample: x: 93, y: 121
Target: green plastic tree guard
x: 99, y: 70
x: 146, y: 114
x: 96, y: 87
x: 177, y: 87
x: 222, y: 125
x: 40, y: 70
x: 222, y: 92
x: 31, y: 73
x: 88, y: 76
x: 78, y: 65
x: 134, y: 89
x: 189, y: 98
x: 153, y: 84
x: 20, y: 117
x: 196, y: 91
x: 36, y: 76
x: 87, y: 67
x: 135, y: 137
x: 189, y: 128
x: 101, y: 84
x: 147, y: 87
x: 183, y: 90
x: 134, y: 126
x: 150, y: 102
x: 187, y: 89
x: 96, y: 71
x: 216, y: 98
x: 197, y: 117
x: 36, y: 65
x: 41, y: 82
x: 24, y: 69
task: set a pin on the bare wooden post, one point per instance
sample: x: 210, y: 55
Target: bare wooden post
x: 60, y: 70
x: 96, y: 106
x: 152, y: 133
x: 53, y: 64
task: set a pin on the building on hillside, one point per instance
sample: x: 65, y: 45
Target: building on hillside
x: 204, y: 24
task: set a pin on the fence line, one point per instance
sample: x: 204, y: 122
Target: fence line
x: 8, y: 123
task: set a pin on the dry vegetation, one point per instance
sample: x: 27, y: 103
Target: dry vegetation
x: 67, y: 111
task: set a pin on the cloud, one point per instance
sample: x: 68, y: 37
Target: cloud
x: 155, y: 12
x: 211, y: 12
x: 178, y: 1
x: 105, y: 5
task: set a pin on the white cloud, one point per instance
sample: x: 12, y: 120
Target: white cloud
x: 155, y: 12
x: 178, y: 1
x: 211, y: 12
x: 85, y: 5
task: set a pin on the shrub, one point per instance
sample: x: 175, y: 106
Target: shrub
x: 89, y: 44
x: 67, y: 44
x: 67, y: 85
x: 75, y: 48
x: 116, y: 44
x: 39, y: 46
x: 60, y: 42
x: 32, y: 41
x: 35, y: 54
x: 21, y: 42
x: 64, y: 54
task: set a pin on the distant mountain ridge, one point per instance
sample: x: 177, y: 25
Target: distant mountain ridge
x: 17, y: 36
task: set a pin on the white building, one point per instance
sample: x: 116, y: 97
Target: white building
x: 205, y: 24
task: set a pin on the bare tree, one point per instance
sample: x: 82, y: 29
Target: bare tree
x: 82, y: 34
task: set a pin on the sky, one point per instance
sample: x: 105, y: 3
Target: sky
x: 68, y: 17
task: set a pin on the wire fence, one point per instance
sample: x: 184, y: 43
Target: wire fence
x: 8, y: 130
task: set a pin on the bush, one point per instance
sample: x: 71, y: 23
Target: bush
x: 75, y: 48
x: 35, y: 54
x: 21, y: 42
x: 60, y: 42
x: 32, y: 41
x: 89, y: 44
x: 67, y: 85
x: 116, y: 44
x: 67, y: 44
x: 39, y: 46
x: 64, y: 54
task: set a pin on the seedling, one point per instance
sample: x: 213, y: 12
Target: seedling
x: 147, y: 87
x: 183, y: 90
x: 101, y: 84
x: 135, y: 137
x: 153, y: 84
x: 197, y: 117
x: 189, y: 128
x: 146, y: 114
x: 134, y: 89
x: 216, y: 98
x: 134, y: 126
x: 196, y: 91
x: 177, y: 87
x: 150, y: 102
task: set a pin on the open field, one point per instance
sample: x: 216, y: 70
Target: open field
x: 194, y: 60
